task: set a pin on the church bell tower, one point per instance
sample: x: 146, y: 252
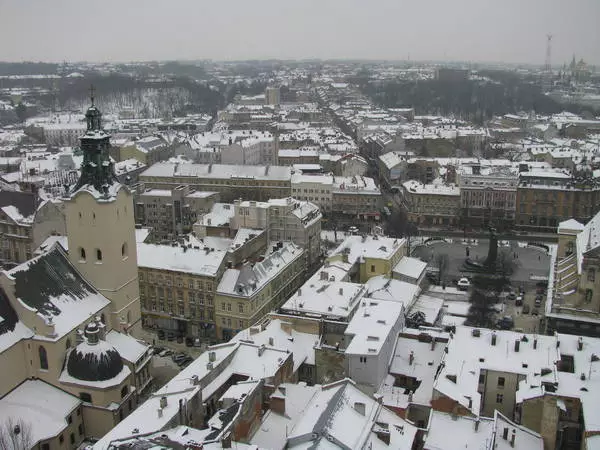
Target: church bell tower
x: 101, y: 228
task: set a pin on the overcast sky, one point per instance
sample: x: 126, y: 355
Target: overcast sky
x: 467, y: 30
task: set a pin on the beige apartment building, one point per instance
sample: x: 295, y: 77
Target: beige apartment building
x: 178, y: 283
x: 244, y: 296
x: 285, y: 219
x: 173, y: 212
x: 259, y: 183
x: 355, y: 196
x: 431, y: 204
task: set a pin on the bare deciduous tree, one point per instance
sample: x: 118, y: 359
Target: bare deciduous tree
x: 15, y: 435
x: 442, y: 262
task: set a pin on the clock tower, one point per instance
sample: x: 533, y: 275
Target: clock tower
x: 101, y: 228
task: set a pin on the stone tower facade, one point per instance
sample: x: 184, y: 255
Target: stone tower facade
x: 101, y: 228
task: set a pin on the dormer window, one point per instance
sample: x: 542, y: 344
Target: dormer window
x: 98, y: 255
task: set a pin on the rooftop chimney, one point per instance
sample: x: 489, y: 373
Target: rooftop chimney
x: 341, y: 291
x: 517, y: 345
x: 512, y: 438
x: 505, y: 433
x: 433, y: 344
x: 163, y: 402
x: 411, y: 358
x: 477, y: 425
x: 534, y: 343
x: 580, y: 343
x: 494, y: 338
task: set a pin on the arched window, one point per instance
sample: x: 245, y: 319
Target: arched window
x: 43, y: 358
x: 82, y: 253
x: 124, y: 249
x: 98, y: 254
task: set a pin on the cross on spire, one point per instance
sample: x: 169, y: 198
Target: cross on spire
x: 92, y: 91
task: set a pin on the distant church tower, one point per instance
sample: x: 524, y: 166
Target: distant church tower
x: 101, y: 228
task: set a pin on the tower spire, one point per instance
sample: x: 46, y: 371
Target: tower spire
x: 97, y: 169
x: 92, y: 92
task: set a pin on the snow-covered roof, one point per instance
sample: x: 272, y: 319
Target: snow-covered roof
x: 203, y: 260
x: 324, y: 298
x: 248, y: 280
x: 449, y: 432
x: 383, y: 288
x: 40, y: 407
x: 410, y: 267
x: 376, y: 247
x: 198, y: 380
x: 219, y: 215
x: 416, y: 187
x: 426, y: 358
x: 52, y: 288
x: 372, y: 326
x: 218, y: 171
x: 280, y: 334
x: 570, y: 225
x: 335, y: 415
x: 429, y: 306
x: 128, y: 347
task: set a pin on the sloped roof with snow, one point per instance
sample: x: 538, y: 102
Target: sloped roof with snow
x: 40, y: 407
x: 50, y: 286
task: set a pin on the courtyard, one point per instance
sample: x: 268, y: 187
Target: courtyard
x: 532, y: 263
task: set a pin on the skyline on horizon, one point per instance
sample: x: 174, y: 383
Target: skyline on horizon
x: 466, y: 30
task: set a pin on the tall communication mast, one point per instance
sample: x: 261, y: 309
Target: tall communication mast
x: 548, y: 65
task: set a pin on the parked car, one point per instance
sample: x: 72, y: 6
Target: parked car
x: 184, y: 361
x: 180, y: 339
x: 538, y: 300
x: 463, y: 284
x: 179, y: 357
x: 512, y: 296
x: 519, y: 301
x: 535, y: 312
x: 170, y: 337
x: 526, y: 309
x: 189, y: 342
x: 506, y: 323
x: 161, y: 335
x: 165, y: 352
x: 353, y: 230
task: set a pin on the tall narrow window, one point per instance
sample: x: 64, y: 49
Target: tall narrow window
x: 124, y: 250
x: 98, y: 254
x: 82, y: 253
x: 43, y: 358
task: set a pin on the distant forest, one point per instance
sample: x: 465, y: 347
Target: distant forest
x: 500, y: 92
